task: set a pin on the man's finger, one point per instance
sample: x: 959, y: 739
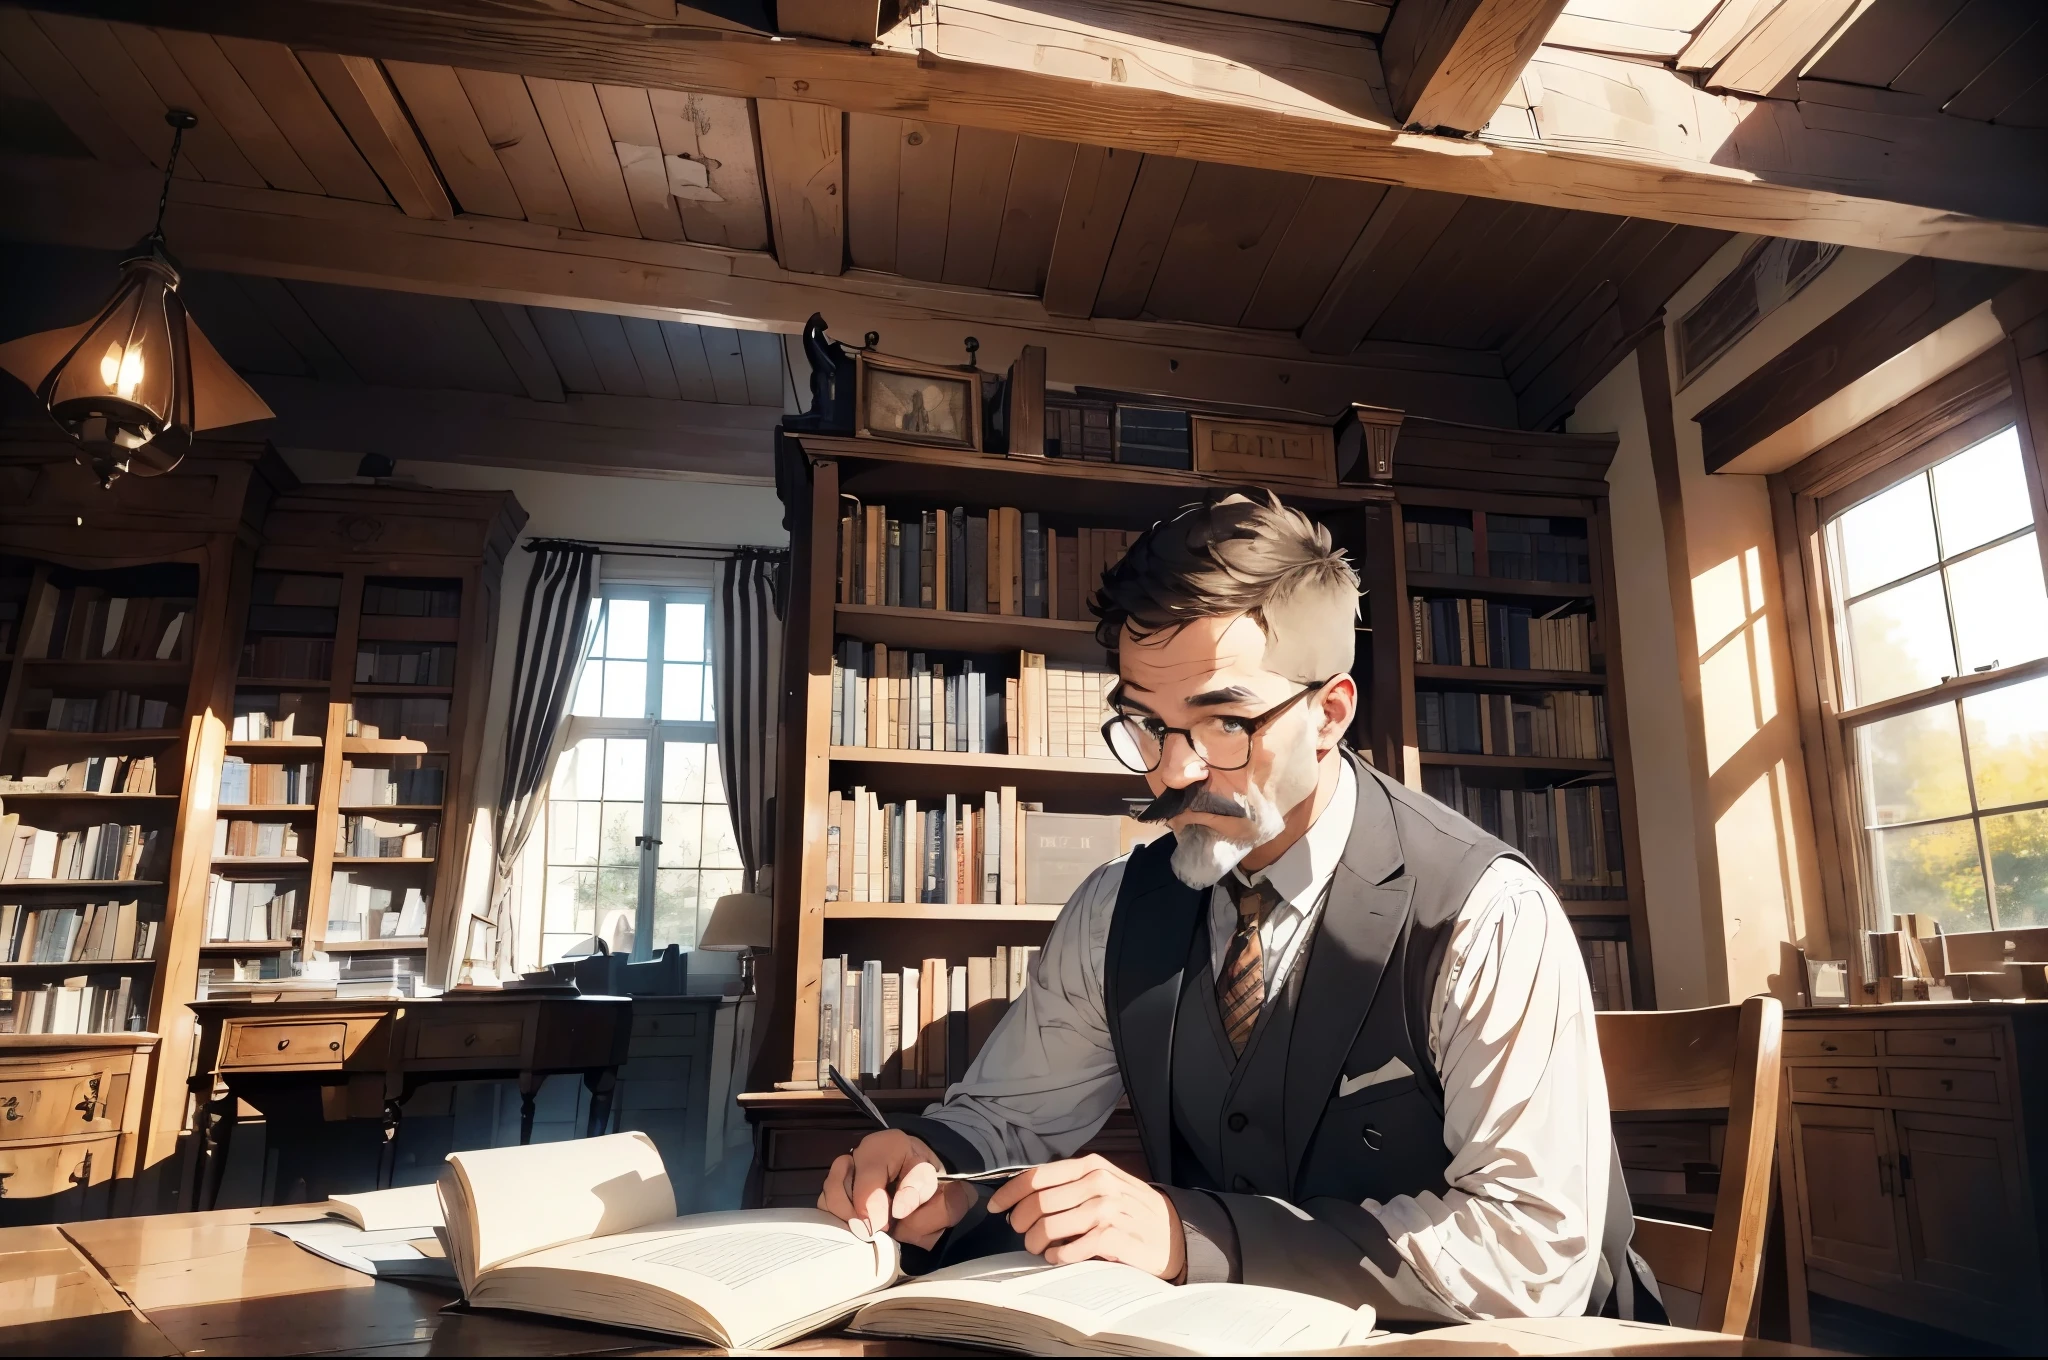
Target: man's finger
x: 874, y: 1174
x: 1099, y: 1244
x: 1096, y: 1184
x: 1066, y: 1225
x: 913, y: 1189
x: 1038, y: 1178
x: 834, y: 1199
x: 923, y: 1225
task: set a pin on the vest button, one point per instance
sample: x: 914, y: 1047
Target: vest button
x: 1237, y: 1121
x: 1240, y: 1184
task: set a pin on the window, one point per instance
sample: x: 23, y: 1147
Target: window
x: 639, y: 839
x: 1940, y: 628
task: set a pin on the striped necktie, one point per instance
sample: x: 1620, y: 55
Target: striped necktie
x: 1241, y: 985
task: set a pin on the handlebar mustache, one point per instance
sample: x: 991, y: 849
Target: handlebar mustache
x: 1193, y: 798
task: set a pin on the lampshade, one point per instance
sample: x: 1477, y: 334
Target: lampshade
x: 738, y: 921
x: 132, y: 385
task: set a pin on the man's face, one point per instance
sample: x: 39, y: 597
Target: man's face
x: 1217, y: 668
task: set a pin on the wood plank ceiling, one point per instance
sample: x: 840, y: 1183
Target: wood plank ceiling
x: 1545, y: 299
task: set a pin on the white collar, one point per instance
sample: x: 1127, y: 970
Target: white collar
x: 1305, y: 868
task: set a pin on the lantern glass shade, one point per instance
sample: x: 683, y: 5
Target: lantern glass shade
x: 125, y: 385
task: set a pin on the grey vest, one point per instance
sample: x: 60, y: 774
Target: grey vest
x: 1272, y: 1123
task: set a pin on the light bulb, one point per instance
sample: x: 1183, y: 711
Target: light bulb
x: 122, y: 373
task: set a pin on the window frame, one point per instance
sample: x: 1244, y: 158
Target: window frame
x: 1942, y: 419
x: 650, y: 728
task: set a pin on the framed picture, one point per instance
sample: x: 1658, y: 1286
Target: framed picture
x: 1266, y: 450
x: 915, y: 403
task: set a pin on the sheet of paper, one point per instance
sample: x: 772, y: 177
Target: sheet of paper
x: 407, y: 1206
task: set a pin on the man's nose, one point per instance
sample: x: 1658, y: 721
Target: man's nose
x: 1179, y: 766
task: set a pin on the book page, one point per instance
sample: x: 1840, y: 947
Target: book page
x: 410, y: 1206
x: 502, y: 1203
x: 759, y: 1276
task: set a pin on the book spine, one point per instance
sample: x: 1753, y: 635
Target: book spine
x: 1033, y: 566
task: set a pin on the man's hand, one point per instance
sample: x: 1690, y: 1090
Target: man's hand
x: 890, y: 1183
x: 1086, y: 1209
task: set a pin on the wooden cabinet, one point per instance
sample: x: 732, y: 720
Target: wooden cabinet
x: 70, y: 1121
x: 1911, y: 1141
x: 678, y: 1085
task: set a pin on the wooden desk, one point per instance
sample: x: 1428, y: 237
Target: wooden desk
x: 332, y: 1060
x: 70, y: 1114
x: 216, y: 1283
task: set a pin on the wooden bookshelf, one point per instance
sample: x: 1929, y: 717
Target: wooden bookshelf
x: 1448, y: 477
x: 202, y: 523
x: 1067, y: 495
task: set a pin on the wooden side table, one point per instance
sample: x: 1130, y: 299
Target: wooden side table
x: 70, y: 1115
x: 364, y: 1059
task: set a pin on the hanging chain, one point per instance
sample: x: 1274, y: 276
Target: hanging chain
x: 179, y: 120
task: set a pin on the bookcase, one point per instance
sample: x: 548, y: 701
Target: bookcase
x: 1087, y: 507
x: 361, y: 668
x: 113, y: 618
x: 1506, y: 687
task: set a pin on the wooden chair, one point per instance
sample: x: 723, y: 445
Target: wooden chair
x: 1713, y: 1058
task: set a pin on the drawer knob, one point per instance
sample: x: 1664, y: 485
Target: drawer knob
x: 12, y: 1107
x: 1833, y: 1080
x: 334, y: 1045
x: 1948, y: 1084
x: 1827, y: 1046
x: 283, y: 1044
x: 468, y: 1039
x: 1949, y: 1039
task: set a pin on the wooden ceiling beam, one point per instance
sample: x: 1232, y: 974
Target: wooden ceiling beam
x: 300, y: 236
x: 1201, y: 85
x: 359, y: 94
x: 803, y: 159
x: 518, y: 339
x: 1450, y: 62
x: 1774, y: 49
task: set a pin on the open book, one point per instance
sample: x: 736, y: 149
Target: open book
x: 587, y: 1229
x: 386, y: 1233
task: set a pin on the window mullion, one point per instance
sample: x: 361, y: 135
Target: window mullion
x: 650, y: 807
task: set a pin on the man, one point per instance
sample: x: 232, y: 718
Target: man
x: 1355, y: 1031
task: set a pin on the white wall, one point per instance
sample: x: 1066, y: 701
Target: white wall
x: 627, y: 509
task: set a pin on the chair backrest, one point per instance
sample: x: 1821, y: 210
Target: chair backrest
x: 1716, y: 1057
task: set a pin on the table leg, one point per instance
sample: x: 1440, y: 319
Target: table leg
x: 603, y: 1084
x: 529, y: 1087
x: 216, y: 1133
x: 387, y: 1155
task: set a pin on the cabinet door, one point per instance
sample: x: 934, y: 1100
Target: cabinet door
x: 1851, y: 1221
x: 1965, y: 1205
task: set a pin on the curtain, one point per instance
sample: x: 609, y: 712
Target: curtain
x: 555, y: 628
x: 746, y: 657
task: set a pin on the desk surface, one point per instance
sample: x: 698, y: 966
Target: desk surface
x: 218, y: 1284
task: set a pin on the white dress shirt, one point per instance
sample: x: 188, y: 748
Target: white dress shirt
x: 1511, y: 1034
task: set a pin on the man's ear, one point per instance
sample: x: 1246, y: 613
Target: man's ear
x: 1339, y: 705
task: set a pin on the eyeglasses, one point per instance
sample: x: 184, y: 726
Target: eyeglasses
x: 1223, y: 742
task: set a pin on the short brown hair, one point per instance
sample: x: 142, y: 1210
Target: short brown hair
x: 1237, y: 552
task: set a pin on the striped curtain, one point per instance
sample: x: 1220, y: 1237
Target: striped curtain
x: 555, y: 628
x: 746, y: 656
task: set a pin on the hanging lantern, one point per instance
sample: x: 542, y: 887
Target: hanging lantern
x: 131, y: 385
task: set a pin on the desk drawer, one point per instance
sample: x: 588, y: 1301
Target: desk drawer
x: 470, y: 1039
x: 307, y: 1043
x: 1979, y: 1087
x: 678, y: 1024
x: 52, y: 1105
x: 37, y: 1171
x: 1942, y: 1043
x: 1830, y: 1043
x: 1833, y: 1081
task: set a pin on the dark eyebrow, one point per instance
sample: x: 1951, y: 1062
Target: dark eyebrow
x: 1230, y: 694
x: 1120, y: 698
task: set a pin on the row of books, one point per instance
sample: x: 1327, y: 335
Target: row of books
x: 240, y: 838
x: 1518, y: 548
x: 1476, y: 632
x: 1607, y: 970
x: 893, y: 700
x: 430, y: 598
x: 288, y: 658
x: 239, y: 910
x: 1561, y: 724
x: 89, y: 1003
x: 992, y: 849
x: 103, y: 852
x: 367, y: 911
x: 1444, y: 549
x: 1003, y: 562
x: 915, y: 1028
x: 111, y: 710
x: 91, y: 933
x: 85, y: 623
x: 94, y: 774
x: 407, y: 781
x: 277, y: 716
x: 375, y: 838
x: 392, y: 715
x: 405, y: 663
x: 247, y: 783
x: 1572, y: 833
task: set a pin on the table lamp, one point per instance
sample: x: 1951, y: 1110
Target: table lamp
x: 740, y: 924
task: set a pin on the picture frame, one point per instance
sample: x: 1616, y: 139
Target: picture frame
x: 1265, y: 450
x: 907, y: 402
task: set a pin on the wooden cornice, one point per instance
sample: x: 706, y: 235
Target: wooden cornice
x: 1601, y: 135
